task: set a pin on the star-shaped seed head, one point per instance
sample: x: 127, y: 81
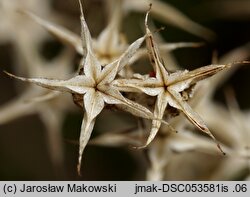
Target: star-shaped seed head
x: 93, y: 86
x: 171, y: 89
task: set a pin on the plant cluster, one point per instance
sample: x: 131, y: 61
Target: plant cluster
x: 171, y: 105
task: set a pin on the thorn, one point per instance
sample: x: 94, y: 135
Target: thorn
x: 219, y: 147
x: 9, y: 74
x: 140, y: 147
x: 146, y: 18
x: 15, y: 77
x: 206, y: 130
x: 80, y: 3
x: 237, y: 62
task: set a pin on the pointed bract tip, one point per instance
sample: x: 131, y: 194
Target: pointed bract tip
x: 140, y: 147
x: 146, y: 18
x: 80, y: 4
x: 9, y: 74
x: 219, y: 147
x: 246, y: 62
x: 237, y: 63
x: 14, y: 76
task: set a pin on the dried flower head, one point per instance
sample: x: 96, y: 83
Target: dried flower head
x: 105, y: 79
x: 170, y: 88
x: 93, y: 84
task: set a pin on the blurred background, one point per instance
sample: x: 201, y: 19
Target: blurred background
x: 24, y: 153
